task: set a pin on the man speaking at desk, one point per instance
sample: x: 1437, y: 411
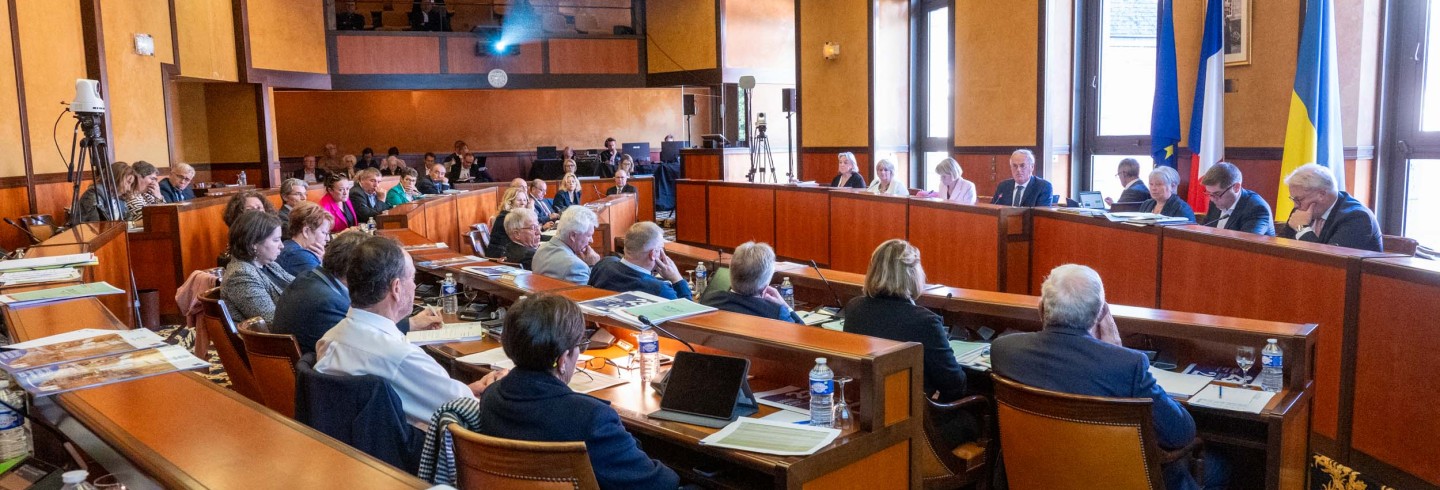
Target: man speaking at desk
x: 1025, y: 189
x: 1324, y: 214
x: 1233, y: 207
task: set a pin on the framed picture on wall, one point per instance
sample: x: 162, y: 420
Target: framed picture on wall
x: 1237, y: 32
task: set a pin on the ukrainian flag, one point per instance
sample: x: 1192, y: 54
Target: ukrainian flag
x: 1312, y: 133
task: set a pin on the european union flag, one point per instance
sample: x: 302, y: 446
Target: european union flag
x: 1165, y: 110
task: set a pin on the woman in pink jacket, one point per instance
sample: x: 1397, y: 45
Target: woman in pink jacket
x: 336, y: 201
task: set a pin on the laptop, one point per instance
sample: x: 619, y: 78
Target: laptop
x: 706, y: 390
x: 637, y: 151
x: 546, y: 153
x: 1092, y: 200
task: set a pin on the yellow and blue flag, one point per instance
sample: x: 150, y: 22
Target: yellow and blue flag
x: 1312, y: 133
x: 1165, y: 108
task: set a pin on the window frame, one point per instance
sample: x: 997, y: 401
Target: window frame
x: 1401, y: 91
x: 920, y: 142
x: 1087, y: 142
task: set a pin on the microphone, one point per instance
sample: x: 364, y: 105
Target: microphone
x: 829, y: 286
x: 646, y: 320
x: 597, y: 191
x: 1211, y: 223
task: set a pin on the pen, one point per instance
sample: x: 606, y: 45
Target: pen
x: 1222, y: 392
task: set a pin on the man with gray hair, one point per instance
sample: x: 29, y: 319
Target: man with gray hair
x: 176, y: 187
x: 751, y: 269
x: 1024, y: 189
x: 568, y: 256
x: 644, y: 252
x: 1079, y: 352
x: 1324, y: 214
x: 524, y: 231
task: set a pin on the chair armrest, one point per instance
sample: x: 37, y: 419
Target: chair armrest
x: 1195, y: 446
x: 972, y: 403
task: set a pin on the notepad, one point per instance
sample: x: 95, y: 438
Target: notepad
x: 663, y: 311
x: 1231, y: 398
x: 974, y: 355
x: 60, y: 293
x: 451, y: 332
x: 1179, y: 385
x: 16, y: 278
x: 769, y: 437
x: 494, y: 358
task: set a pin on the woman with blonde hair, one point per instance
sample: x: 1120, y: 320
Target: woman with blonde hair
x: 887, y: 309
x: 885, y: 182
x: 568, y: 194
x: 849, y: 175
x: 515, y: 198
x: 953, y: 187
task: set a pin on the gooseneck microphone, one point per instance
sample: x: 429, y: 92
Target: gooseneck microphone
x: 646, y: 320
x: 831, y: 287
x: 1216, y: 220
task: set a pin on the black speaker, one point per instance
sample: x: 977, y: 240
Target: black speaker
x: 787, y: 100
x: 689, y: 104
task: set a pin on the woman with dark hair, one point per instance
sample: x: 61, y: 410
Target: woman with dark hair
x: 367, y: 160
x: 246, y: 200
x: 544, y: 336
x: 337, y: 201
x: 145, y: 189
x: 253, y: 280
x: 404, y: 191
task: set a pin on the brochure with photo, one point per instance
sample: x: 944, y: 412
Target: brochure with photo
x: 77, y: 346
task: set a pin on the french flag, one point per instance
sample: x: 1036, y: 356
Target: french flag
x: 1207, y: 115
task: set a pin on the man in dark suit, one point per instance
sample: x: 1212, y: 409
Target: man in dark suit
x: 544, y: 206
x: 468, y: 171
x: 433, y: 181
x: 429, y: 18
x: 621, y: 186
x: 176, y: 187
x: 1025, y: 189
x: 366, y: 198
x: 1135, y: 191
x: 347, y: 19
x: 460, y: 150
x: 318, y: 298
x: 610, y: 156
x: 644, y: 252
x: 310, y: 172
x: 1233, y: 207
x: 1079, y: 352
x: 1325, y: 214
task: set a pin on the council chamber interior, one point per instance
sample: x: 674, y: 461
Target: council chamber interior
x: 1039, y: 244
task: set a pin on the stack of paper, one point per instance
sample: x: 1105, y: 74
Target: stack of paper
x: 436, y: 264
x: 1179, y: 385
x: 662, y: 312
x: 60, y: 293
x: 494, y: 358
x: 493, y: 271
x: 425, y: 246
x: 449, y: 332
x: 813, y: 318
x: 1144, y: 218
x: 93, y: 357
x: 17, y: 278
x: 1230, y: 398
x: 769, y: 437
x: 974, y: 355
x: 614, y: 305
x: 72, y: 260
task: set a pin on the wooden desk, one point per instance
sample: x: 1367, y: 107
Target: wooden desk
x: 1127, y: 256
x: 983, y: 246
x: 867, y: 220
x: 110, y: 244
x: 615, y: 214
x: 702, y: 163
x: 879, y: 449
x: 185, y: 432
x: 1396, y: 430
x: 178, y: 238
x: 591, y: 189
x: 442, y: 218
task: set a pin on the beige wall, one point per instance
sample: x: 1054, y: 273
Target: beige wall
x: 760, y: 35
x: 835, y: 94
x: 683, y: 29
x: 288, y: 35
x: 12, y: 150
x: 207, y: 39
x: 135, y: 88
x: 996, y: 69
x: 52, y: 57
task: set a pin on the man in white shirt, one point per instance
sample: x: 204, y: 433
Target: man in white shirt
x: 382, y: 291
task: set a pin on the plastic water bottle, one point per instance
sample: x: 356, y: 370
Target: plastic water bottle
x: 242, y: 180
x: 448, y: 291
x: 75, y: 480
x: 14, y: 429
x: 370, y: 226
x: 1272, y: 362
x: 822, y: 394
x: 787, y: 292
x: 649, y: 354
x: 702, y: 277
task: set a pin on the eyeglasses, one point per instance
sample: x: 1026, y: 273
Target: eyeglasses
x: 1218, y: 194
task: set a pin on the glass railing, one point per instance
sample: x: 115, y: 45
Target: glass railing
x: 554, y: 18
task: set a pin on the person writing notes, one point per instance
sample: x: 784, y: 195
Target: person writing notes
x: 1233, y: 207
x: 1163, y: 200
x: 1024, y: 188
x: 953, y: 187
x: 885, y: 182
x: 1324, y: 214
x: 849, y: 173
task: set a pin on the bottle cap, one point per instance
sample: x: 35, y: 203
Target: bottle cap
x: 819, y: 360
x: 76, y: 476
x: 1271, y: 341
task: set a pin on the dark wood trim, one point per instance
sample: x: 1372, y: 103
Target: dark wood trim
x: 870, y: 82
x: 174, y: 38
x: 1349, y: 350
x: 478, y: 81
x: 168, y: 72
x: 332, y: 53
x: 993, y: 150
x: 708, y: 76
x: 269, y: 149
x: 1040, y: 140
x: 38, y: 179
x: 544, y: 58
x: 798, y: 142
x: 859, y: 150
x: 241, y: 10
x: 29, y: 157
x: 91, y: 25
x: 720, y: 40
x: 443, y: 52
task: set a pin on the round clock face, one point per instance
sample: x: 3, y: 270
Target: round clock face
x: 498, y: 78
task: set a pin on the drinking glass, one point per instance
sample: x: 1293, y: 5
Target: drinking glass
x: 109, y: 482
x: 842, y: 419
x: 1245, y: 358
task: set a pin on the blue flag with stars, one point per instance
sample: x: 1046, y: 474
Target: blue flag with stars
x: 1165, y: 110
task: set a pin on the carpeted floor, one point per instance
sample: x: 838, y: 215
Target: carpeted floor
x: 182, y: 336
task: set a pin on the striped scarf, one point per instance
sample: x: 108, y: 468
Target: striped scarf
x: 437, y: 457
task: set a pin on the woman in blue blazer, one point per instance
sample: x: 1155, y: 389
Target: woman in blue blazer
x: 568, y: 194
x: 1163, y: 200
x: 544, y: 336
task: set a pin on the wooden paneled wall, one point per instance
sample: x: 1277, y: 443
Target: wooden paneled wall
x: 758, y: 36
x: 489, y: 120
x: 835, y: 96
x: 287, y: 35
x: 135, y: 88
x: 996, y: 73
x: 681, y: 35
x: 206, y: 32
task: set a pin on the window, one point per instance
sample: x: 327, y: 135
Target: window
x: 1410, y: 121
x: 934, y: 102
x: 1118, y: 69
